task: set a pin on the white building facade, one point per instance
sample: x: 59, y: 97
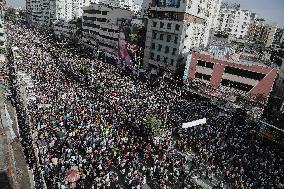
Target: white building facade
x: 124, y: 4
x: 234, y: 21
x: 101, y: 25
x: 2, y: 35
x: 46, y: 12
x: 282, y: 39
x: 174, y: 28
x: 62, y: 28
x: 69, y: 9
x: 261, y: 32
x: 211, y: 12
x: 34, y: 10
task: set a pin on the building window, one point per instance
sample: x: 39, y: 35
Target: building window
x: 176, y: 39
x: 203, y: 76
x: 158, y: 58
x: 169, y: 26
x: 172, y: 62
x: 104, y: 12
x: 161, y: 24
x: 102, y: 19
x: 159, y: 47
x: 166, y: 59
x: 174, y: 51
x: 153, y: 46
x: 244, y: 73
x: 169, y: 37
x: 177, y: 27
x: 152, y: 56
x: 167, y: 49
x: 236, y: 85
x: 154, y: 24
x: 161, y: 36
x: 205, y: 64
x: 198, y: 11
x: 154, y: 35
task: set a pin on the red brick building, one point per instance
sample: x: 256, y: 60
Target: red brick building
x: 249, y: 78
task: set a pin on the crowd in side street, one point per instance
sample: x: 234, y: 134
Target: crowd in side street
x: 94, y: 124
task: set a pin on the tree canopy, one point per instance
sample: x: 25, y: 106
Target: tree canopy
x: 153, y: 124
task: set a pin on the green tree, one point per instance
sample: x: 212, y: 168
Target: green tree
x: 153, y: 124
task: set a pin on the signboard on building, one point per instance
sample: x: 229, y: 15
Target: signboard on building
x: 131, y: 43
x: 186, y: 70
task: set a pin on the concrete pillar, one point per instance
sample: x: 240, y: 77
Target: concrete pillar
x: 216, y: 78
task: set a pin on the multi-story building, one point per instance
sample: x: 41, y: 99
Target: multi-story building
x: 270, y: 30
x: 282, y: 39
x: 77, y: 6
x: 212, y: 13
x: 236, y: 77
x: 256, y: 30
x: 227, y: 5
x: 174, y: 28
x: 124, y: 4
x: 101, y: 26
x: 45, y: 12
x: 34, y: 11
x: 261, y: 32
x: 278, y: 36
x: 62, y: 28
x: 2, y: 33
x: 28, y: 10
x: 234, y: 21
x: 40, y: 12
x: 2, y: 41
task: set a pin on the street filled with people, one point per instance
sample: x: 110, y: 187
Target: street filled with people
x: 89, y: 116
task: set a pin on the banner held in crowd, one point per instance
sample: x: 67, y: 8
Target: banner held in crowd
x: 194, y: 123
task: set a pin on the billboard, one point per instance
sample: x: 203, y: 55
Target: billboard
x: 187, y: 66
x: 131, y: 43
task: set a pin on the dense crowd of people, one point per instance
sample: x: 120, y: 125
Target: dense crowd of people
x: 89, y: 116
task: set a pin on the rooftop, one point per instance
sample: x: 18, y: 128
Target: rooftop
x: 227, y: 53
